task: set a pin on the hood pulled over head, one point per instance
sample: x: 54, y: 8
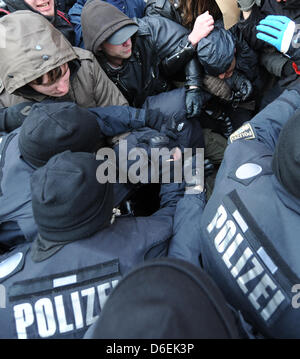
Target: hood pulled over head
x: 99, y: 21
x: 30, y: 51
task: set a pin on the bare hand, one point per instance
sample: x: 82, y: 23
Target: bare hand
x: 203, y: 26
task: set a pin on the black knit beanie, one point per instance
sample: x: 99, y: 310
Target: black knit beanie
x: 56, y: 127
x: 67, y: 200
x: 165, y: 299
x: 286, y: 159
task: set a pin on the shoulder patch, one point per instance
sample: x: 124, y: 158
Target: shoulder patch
x: 245, y: 132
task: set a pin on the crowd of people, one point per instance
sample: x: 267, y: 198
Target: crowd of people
x: 98, y: 237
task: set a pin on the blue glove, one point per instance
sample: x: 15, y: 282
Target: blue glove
x: 278, y: 31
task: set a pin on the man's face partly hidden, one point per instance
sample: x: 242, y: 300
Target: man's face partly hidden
x: 229, y: 71
x: 58, y: 88
x: 117, y: 53
x: 45, y: 7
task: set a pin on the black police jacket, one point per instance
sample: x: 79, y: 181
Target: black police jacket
x: 249, y: 227
x: 63, y: 295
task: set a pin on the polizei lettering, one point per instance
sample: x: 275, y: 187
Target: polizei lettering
x: 62, y: 313
x: 244, y: 264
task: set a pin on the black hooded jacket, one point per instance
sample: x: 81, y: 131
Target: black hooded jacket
x: 157, y: 40
x: 141, y: 75
x: 59, y: 20
x: 214, y: 46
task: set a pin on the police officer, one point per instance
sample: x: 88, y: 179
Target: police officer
x: 249, y: 226
x: 47, y: 129
x: 57, y: 286
x: 50, y: 128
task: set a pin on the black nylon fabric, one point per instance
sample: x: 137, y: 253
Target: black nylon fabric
x: 286, y: 159
x: 165, y: 299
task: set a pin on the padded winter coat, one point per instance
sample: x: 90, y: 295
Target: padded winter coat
x: 32, y: 51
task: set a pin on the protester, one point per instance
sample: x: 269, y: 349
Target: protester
x: 48, y: 129
x: 48, y: 9
x: 72, y: 224
x: 132, y: 8
x: 280, y: 68
x: 51, y: 128
x: 38, y: 63
x: 141, y: 56
x: 232, y: 84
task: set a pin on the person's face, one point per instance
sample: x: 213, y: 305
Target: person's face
x: 57, y: 89
x: 117, y: 53
x: 229, y: 71
x: 45, y: 7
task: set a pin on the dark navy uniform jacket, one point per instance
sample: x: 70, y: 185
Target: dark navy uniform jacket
x: 64, y: 294
x: 250, y: 227
x: 16, y: 217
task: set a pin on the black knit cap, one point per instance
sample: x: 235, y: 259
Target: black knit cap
x: 165, y: 299
x: 56, y: 127
x: 67, y: 200
x: 286, y: 158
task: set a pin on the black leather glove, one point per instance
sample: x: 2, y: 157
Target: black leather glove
x: 240, y: 86
x: 193, y: 102
x: 154, y: 141
x: 170, y: 126
x: 13, y: 117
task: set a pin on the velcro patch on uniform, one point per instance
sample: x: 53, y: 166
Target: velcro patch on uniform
x: 245, y: 132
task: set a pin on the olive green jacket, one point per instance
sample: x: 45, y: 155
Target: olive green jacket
x: 31, y: 47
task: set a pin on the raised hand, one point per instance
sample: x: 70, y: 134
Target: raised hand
x: 203, y: 26
x: 276, y: 30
